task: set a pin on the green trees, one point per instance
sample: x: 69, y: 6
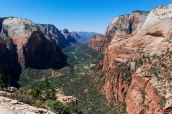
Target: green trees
x: 35, y: 92
x: 162, y: 101
x: 61, y: 108
x: 2, y: 80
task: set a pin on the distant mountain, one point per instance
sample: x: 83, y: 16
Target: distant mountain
x: 69, y: 37
x: 85, y: 36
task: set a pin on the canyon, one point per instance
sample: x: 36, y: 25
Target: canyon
x: 126, y: 70
x: 26, y: 44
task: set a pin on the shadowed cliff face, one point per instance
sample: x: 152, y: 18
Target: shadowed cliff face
x: 70, y: 37
x: 1, y: 20
x: 136, y: 20
x: 137, y: 61
x: 41, y: 53
x: 23, y: 44
x: 9, y: 65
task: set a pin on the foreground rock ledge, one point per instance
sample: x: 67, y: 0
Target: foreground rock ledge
x: 9, y: 106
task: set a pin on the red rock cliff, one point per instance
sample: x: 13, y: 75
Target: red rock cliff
x: 137, y: 61
x: 98, y: 42
x: 120, y: 28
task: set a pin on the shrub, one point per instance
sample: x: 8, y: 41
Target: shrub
x: 35, y: 92
x: 2, y: 80
x: 162, y: 101
x: 155, y: 34
x: 61, y: 108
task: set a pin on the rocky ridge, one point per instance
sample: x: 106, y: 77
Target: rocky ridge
x: 120, y: 28
x: 70, y: 37
x: 139, y: 50
x: 52, y: 32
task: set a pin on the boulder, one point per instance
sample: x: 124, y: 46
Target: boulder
x: 14, y: 102
x: 18, y: 108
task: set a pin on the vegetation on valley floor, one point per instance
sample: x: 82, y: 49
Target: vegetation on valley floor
x: 73, y: 79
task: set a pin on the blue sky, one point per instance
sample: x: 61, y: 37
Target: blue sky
x: 75, y: 15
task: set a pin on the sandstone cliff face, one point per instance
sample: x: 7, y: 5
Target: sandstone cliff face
x: 125, y: 26
x: 52, y: 32
x: 136, y: 20
x: 98, y: 42
x: 23, y: 44
x: 120, y: 28
x: 137, y: 61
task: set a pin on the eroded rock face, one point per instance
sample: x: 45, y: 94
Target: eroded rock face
x: 120, y: 28
x: 69, y: 36
x: 41, y: 53
x: 52, y: 32
x: 98, y: 42
x: 23, y: 44
x: 133, y: 74
x: 136, y: 20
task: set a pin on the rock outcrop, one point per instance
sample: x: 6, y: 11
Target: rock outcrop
x: 120, y: 28
x: 23, y: 44
x: 75, y: 35
x: 68, y: 99
x: 9, y: 106
x: 137, y: 61
x: 98, y: 42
